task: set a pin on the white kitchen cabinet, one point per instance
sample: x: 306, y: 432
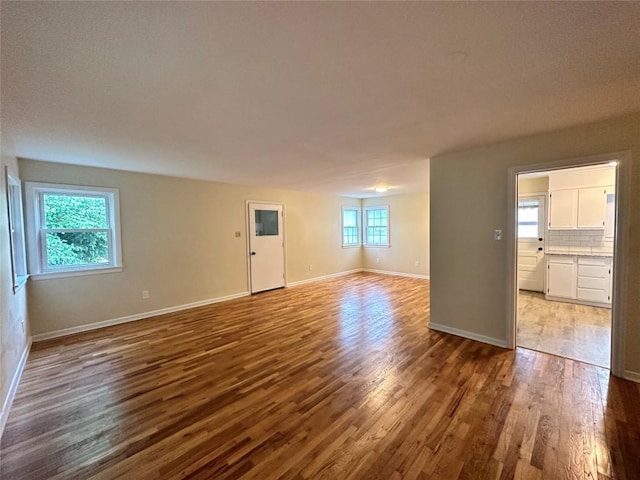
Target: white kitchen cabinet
x: 561, y: 276
x: 563, y: 209
x: 578, y: 198
x: 594, y: 279
x: 578, y: 208
x: 580, y: 279
x: 592, y: 208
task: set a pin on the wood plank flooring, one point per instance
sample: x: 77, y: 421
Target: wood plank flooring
x: 580, y: 332
x: 338, y: 379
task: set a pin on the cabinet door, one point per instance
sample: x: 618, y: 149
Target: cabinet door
x: 561, y: 280
x: 563, y: 209
x: 592, y: 207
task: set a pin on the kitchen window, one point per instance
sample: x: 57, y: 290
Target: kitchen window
x: 528, y: 215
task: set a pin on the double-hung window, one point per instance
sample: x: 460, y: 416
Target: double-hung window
x: 376, y: 226
x: 74, y: 230
x: 351, y: 227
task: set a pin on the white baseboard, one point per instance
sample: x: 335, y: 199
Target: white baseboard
x: 467, y: 334
x: 633, y: 376
x: 131, y: 318
x: 13, y: 387
x: 323, y: 277
x: 398, y: 274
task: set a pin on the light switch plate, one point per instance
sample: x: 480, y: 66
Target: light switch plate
x: 497, y: 234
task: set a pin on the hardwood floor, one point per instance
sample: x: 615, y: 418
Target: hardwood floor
x: 338, y: 379
x: 579, y: 332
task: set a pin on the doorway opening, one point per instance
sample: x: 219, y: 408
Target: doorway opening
x: 568, y: 227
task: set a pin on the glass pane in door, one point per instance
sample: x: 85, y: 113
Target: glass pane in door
x: 266, y: 222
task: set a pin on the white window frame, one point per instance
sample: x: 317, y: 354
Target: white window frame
x: 37, y: 247
x: 365, y: 226
x: 15, y: 217
x: 358, y: 211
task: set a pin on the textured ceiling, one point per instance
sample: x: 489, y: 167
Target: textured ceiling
x: 325, y: 97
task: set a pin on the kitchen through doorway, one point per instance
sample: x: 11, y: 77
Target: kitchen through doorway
x: 565, y: 249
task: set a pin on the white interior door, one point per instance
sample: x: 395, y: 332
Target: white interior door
x: 266, y: 246
x: 531, y: 222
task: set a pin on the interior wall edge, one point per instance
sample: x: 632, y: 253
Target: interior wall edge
x: 498, y: 342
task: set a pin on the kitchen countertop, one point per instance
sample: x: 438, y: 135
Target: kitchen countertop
x: 580, y: 254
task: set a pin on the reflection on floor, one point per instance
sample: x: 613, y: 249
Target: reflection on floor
x: 574, y: 331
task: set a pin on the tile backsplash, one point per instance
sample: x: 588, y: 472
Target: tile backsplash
x: 579, y: 241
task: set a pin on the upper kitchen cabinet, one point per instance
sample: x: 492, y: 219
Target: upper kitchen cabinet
x: 578, y: 199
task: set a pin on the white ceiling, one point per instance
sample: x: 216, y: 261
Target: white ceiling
x: 325, y: 97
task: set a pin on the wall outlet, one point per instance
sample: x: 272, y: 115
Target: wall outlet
x: 377, y: 259
x: 237, y: 234
x: 310, y: 267
x: 497, y: 234
x: 145, y: 294
x: 417, y: 263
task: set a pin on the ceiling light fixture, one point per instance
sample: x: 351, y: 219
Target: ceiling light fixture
x: 381, y: 189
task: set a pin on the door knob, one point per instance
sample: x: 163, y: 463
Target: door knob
x: 253, y: 253
x: 540, y: 239
x: 539, y: 249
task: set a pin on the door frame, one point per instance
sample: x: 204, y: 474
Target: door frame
x: 248, y: 239
x: 623, y: 191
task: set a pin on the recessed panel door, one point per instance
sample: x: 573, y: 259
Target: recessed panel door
x: 531, y: 230
x: 266, y: 246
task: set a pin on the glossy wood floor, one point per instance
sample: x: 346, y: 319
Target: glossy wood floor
x: 340, y: 379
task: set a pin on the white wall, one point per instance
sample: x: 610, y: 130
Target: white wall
x: 408, y: 236
x: 469, y: 200
x: 178, y: 242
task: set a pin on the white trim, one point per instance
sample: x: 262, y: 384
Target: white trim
x: 76, y: 273
x: 358, y: 226
x: 247, y: 209
x: 398, y: 274
x: 13, y: 387
x: 623, y: 191
x: 365, y: 224
x: 35, y: 214
x: 630, y: 375
x: 467, y: 334
x: 323, y: 277
x: 131, y: 318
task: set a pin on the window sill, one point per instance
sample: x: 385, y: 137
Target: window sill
x: 22, y: 281
x: 76, y: 273
x: 351, y: 246
x: 376, y: 246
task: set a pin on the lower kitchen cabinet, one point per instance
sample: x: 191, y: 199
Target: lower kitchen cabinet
x: 561, y: 279
x: 594, y: 279
x: 581, y: 279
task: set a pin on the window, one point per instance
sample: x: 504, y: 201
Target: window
x: 376, y: 226
x: 73, y: 230
x: 350, y: 227
x: 528, y: 215
x: 16, y: 230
